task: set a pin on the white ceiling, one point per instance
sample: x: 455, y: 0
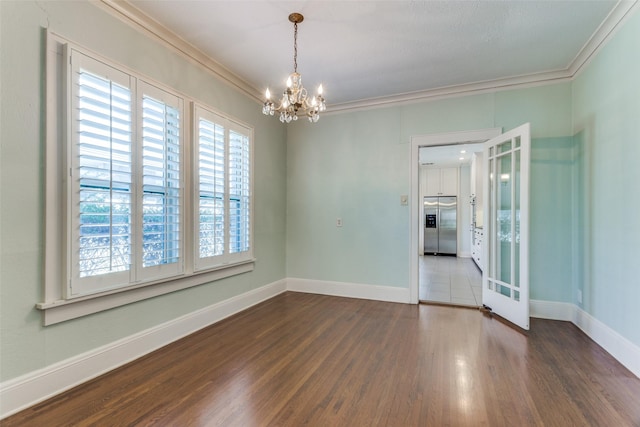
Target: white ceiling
x: 449, y: 155
x: 361, y: 50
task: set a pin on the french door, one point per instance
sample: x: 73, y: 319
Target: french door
x: 505, y: 282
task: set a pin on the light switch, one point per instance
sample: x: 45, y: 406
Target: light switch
x: 404, y: 200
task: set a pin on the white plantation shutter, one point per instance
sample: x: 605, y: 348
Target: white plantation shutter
x: 101, y: 176
x: 211, y: 183
x: 119, y: 173
x: 239, y: 191
x: 161, y: 183
x: 222, y: 217
x: 126, y: 187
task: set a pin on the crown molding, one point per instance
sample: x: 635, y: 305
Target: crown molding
x: 519, y: 82
x: 128, y: 13
x: 133, y: 16
x: 622, y: 10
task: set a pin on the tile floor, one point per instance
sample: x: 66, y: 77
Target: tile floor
x: 450, y: 279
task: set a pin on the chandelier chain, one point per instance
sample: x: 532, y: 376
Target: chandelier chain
x: 295, y: 47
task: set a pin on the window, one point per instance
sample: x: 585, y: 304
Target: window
x: 101, y: 176
x: 222, y: 218
x: 125, y: 186
x: 135, y: 205
x: 161, y: 201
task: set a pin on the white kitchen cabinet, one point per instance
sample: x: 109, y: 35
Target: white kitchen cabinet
x: 441, y: 182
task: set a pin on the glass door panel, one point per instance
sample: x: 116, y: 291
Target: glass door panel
x: 506, y: 282
x: 504, y: 219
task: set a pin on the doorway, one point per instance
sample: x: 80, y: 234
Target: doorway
x: 450, y: 185
x: 447, y: 274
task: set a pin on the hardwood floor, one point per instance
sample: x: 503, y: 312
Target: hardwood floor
x: 301, y: 359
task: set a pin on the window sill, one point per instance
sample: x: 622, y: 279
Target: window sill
x: 63, y: 310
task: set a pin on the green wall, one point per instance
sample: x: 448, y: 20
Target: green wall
x: 25, y: 345
x: 606, y: 120
x: 356, y: 165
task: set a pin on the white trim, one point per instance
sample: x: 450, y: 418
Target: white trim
x: 22, y: 392
x: 62, y: 310
x: 623, y: 350
x: 620, y: 12
x: 458, y: 137
x: 551, y: 310
x: 468, y: 89
x: 131, y: 15
x: 415, y: 222
x: 349, y: 290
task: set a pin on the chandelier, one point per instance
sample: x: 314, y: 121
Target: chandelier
x: 295, y: 101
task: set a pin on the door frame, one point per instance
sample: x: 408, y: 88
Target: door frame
x: 431, y: 140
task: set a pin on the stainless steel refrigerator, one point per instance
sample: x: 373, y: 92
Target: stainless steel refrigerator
x: 440, y: 225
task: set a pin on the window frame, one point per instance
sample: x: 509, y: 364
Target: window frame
x: 76, y: 284
x: 202, y: 112
x: 161, y: 271
x: 57, y: 305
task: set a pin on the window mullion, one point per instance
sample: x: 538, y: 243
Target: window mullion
x: 227, y: 193
x: 136, y: 203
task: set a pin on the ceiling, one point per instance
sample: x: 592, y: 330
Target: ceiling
x: 449, y: 155
x: 369, y: 51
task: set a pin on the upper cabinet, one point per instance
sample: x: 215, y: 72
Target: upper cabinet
x: 441, y: 182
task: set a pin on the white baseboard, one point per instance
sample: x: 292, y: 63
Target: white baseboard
x: 349, y: 290
x: 34, y: 387
x: 551, y: 310
x: 615, y: 344
x: 623, y: 350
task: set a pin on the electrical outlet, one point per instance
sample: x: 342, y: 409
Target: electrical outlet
x: 338, y: 222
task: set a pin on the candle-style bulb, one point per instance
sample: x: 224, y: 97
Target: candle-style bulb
x: 268, y: 94
x: 320, y: 90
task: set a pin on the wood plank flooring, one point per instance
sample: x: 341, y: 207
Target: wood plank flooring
x: 311, y: 360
